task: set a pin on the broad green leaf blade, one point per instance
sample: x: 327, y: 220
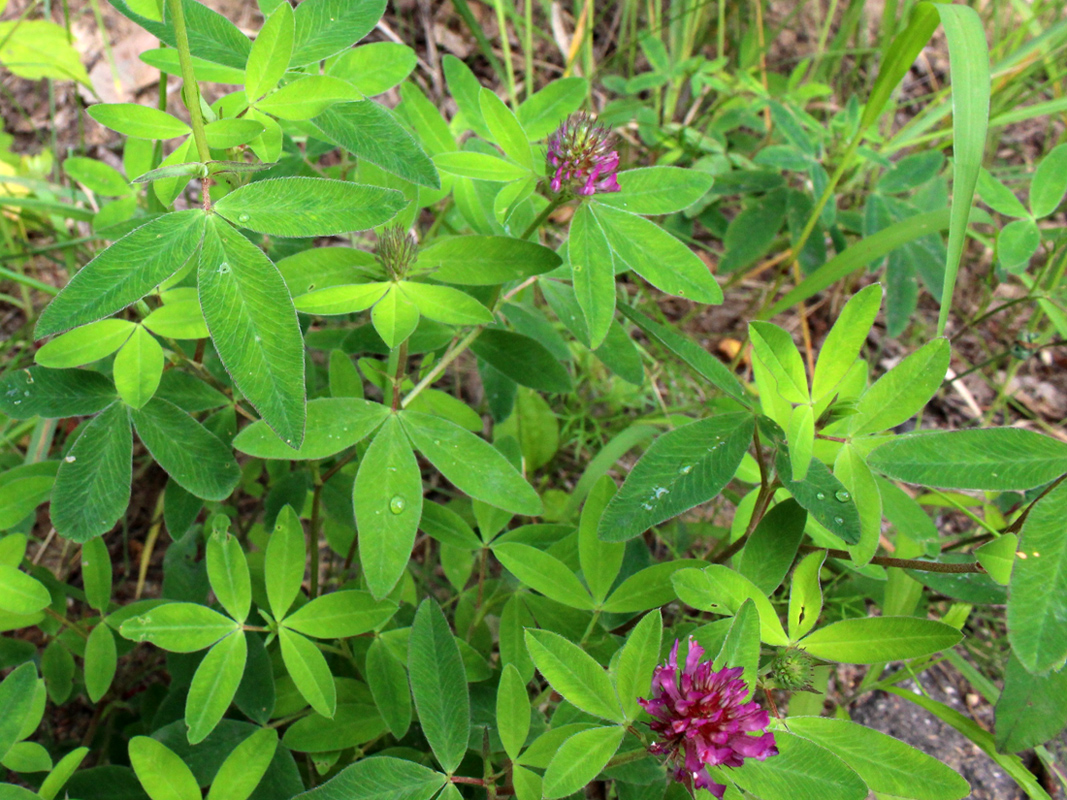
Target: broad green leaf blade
x: 254, y: 328
x: 805, y: 595
x: 574, y: 674
x: 580, y: 759
x: 21, y: 594
x: 903, y: 391
x: 191, y: 454
x: 648, y: 588
x: 473, y: 465
x: 214, y: 685
x: 284, y: 563
x: 54, y: 393
x: 179, y: 627
x: 211, y: 35
x: 526, y: 361
x: 593, y: 273
x: 720, y: 589
x: 16, y: 703
x: 445, y: 304
x: 544, y: 573
x: 874, y: 640
x: 439, y: 685
x: 388, y: 681
x: 101, y: 660
x: 339, y: 615
x: 1031, y: 710
x: 998, y: 196
x: 512, y: 711
x: 545, y: 109
x: 772, y: 547
x: 1037, y: 601
x: 369, y: 131
x: 394, y: 317
x: 998, y: 557
x: 485, y: 260
x: 333, y: 424
x: 305, y: 207
x: 308, y: 97
x: 345, y: 299
x: 96, y: 574
x: 143, y: 122
x: 387, y: 497
x: 59, y: 776
x: 682, y: 469
x: 658, y: 257
x: 479, y: 167
x: 993, y: 459
x: 637, y: 660
x: 375, y: 68
x: 801, y: 439
x: 899, y: 57
x: 887, y: 765
x: 969, y: 65
x: 309, y: 671
x: 1048, y: 187
x: 163, y: 774
x: 92, y: 486
x: 380, y: 778
x: 270, y: 53
x: 178, y: 320
x: 227, y: 571
x: 506, y: 129
x: 326, y: 27
x: 86, y: 344
x: 780, y: 356
x: 125, y: 272
x: 842, y: 345
x: 657, y: 190
x: 244, y: 767
x: 741, y: 646
x: 600, y: 560
x: 802, y: 770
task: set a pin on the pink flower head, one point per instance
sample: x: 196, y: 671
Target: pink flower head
x: 581, y: 152
x: 702, y: 721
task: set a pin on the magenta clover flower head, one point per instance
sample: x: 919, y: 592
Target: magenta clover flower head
x: 701, y: 719
x: 581, y: 152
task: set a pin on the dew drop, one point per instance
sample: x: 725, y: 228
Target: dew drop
x: 70, y: 459
x: 660, y: 491
x: 820, y: 496
x: 839, y: 520
x: 685, y: 470
x: 397, y: 504
x: 29, y: 377
x: 26, y: 394
x: 843, y: 496
x: 243, y: 218
x: 224, y: 268
x: 18, y: 402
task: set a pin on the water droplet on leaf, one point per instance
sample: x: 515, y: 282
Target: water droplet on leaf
x: 843, y: 496
x: 685, y: 470
x: 839, y: 520
x: 397, y: 504
x: 243, y: 218
x: 70, y: 459
x: 820, y: 496
x: 224, y: 268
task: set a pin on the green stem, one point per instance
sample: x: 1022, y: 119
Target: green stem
x: 537, y: 223
x: 190, y: 90
x: 902, y: 563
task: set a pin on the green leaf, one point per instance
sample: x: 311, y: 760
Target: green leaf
x: 600, y: 560
x: 1031, y: 710
x: 27, y: 757
x: 526, y: 361
x: 658, y: 257
x: 309, y: 671
x: 473, y: 465
x: 860, y: 484
x: 741, y: 645
x: 333, y: 424
x: 214, y: 685
x: 387, y: 497
x: 682, y: 469
x: 873, y: 640
x: 388, y: 681
x: 486, y: 260
x: 308, y: 97
x: 191, y: 454
x: 805, y: 595
x: 96, y: 574
x: 772, y: 547
x: 903, y: 391
x: 648, y: 588
x: 843, y: 344
x: 96, y: 176
x: 719, y: 589
x: 211, y: 35
x: 580, y: 759
x: 998, y: 557
x: 54, y: 393
x: 21, y: 594
x: 1047, y: 189
x: 969, y: 65
x: 92, y: 486
x: 439, y: 685
x: 61, y: 773
x: 506, y: 130
x: 143, y: 122
x: 101, y: 660
x: 574, y: 674
x: 178, y: 320
x: 425, y: 118
x: 284, y: 562
x: 227, y: 570
x: 86, y: 344
x: 1016, y: 244
x: 899, y: 57
x: 341, y: 614
x: 512, y: 711
x: 222, y: 134
x: 326, y: 27
x: 163, y: 774
x: 802, y: 770
x: 369, y: 131
x: 244, y: 767
x: 1037, y: 600
x: 775, y: 348
x: 16, y: 704
x: 380, y: 778
x: 346, y: 299
x: 376, y: 67
x: 886, y: 765
x: 179, y: 627
x: 270, y: 53
x: 657, y: 190
x: 801, y: 439
x: 994, y: 459
x: 479, y: 166
x: 543, y: 111
x: 637, y: 660
x: 465, y: 88
x: 445, y: 304
x: 592, y: 272
x: 998, y: 196
x: 544, y: 573
x: 254, y: 328
x: 309, y: 206
x: 394, y: 317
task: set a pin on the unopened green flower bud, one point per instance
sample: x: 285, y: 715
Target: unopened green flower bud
x: 792, y: 670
